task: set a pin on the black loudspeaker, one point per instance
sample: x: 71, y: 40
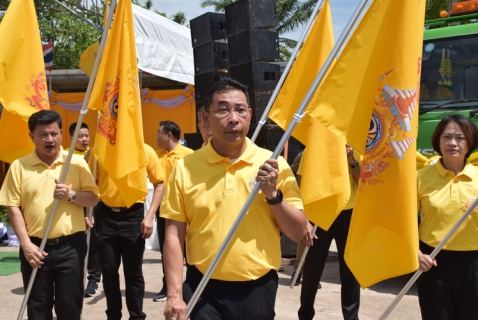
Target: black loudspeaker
x: 211, y: 56
x: 203, y: 81
x: 269, y: 138
x: 208, y: 27
x: 258, y: 102
x: 253, y: 45
x: 258, y: 76
x: 194, y: 140
x: 250, y: 14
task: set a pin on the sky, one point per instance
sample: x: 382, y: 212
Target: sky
x: 341, y: 12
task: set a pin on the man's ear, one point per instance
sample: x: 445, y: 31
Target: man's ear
x: 205, y: 117
x: 31, y: 135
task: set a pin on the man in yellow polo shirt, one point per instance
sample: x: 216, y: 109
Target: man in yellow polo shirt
x: 206, y: 192
x: 83, y: 149
x: 120, y: 236
x: 29, y: 191
x: 170, y: 150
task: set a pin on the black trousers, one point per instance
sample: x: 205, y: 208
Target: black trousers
x: 118, y: 238
x: 232, y: 300
x: 314, y: 266
x: 94, y: 269
x: 449, y: 290
x: 161, y: 229
x: 58, y: 282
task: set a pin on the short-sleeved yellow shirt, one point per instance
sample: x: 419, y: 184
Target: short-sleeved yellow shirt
x: 30, y: 183
x: 443, y: 198
x: 110, y: 194
x: 168, y: 159
x: 207, y: 191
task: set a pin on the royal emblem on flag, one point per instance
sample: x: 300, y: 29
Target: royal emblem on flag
x: 107, y: 123
x: 38, y: 85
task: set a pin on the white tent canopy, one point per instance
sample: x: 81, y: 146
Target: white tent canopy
x: 163, y: 46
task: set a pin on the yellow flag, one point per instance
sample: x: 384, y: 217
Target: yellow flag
x: 314, y: 52
x: 88, y: 57
x: 370, y: 100
x: 23, y: 88
x: 325, y: 186
x: 119, y: 139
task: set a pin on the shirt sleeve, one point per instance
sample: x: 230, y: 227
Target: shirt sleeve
x: 10, y: 194
x: 288, y: 185
x: 154, y: 167
x: 172, y: 206
x: 87, y: 182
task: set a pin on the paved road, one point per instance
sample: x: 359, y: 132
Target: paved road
x: 373, y: 300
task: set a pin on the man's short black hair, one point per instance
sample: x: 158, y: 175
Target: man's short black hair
x: 72, y: 128
x: 43, y: 117
x: 469, y: 129
x: 169, y: 126
x: 221, y: 86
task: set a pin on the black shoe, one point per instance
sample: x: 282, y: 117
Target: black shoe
x: 319, y: 286
x: 91, y: 289
x: 161, y: 296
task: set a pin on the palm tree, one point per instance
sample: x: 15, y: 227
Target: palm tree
x: 291, y: 14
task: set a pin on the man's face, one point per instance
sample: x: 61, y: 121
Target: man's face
x: 162, y: 138
x: 47, y: 140
x: 229, y: 117
x: 83, y: 140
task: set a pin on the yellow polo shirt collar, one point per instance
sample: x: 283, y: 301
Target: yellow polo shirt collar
x: 35, y: 160
x: 247, y: 156
x: 468, y: 170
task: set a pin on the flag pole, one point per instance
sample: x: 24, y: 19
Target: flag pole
x: 88, y: 237
x: 302, y: 259
x: 299, y: 114
x: 434, y: 253
x: 70, y: 154
x: 284, y: 75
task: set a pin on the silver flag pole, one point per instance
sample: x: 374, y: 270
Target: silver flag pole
x: 70, y: 154
x: 284, y: 75
x: 299, y: 114
x: 434, y: 253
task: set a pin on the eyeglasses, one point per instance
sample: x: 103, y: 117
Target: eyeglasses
x: 223, y: 111
x: 159, y: 132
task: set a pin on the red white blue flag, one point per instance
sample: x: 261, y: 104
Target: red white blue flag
x: 48, y: 55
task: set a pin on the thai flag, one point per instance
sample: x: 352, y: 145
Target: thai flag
x: 48, y: 55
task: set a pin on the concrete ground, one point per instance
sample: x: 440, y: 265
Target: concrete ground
x: 374, y: 300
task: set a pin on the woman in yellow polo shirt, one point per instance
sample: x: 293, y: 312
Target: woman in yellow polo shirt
x: 448, y: 288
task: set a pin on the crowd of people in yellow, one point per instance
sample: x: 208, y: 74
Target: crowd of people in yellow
x: 196, y: 198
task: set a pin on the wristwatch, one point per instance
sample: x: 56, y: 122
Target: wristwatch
x: 354, y: 165
x: 73, y: 196
x: 278, y: 199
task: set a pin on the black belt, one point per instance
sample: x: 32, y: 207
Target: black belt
x: 54, y: 241
x: 134, y: 207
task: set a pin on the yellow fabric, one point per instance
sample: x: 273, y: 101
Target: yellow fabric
x: 16, y: 142
x: 370, y: 98
x: 315, y: 50
x: 439, y: 94
x: 78, y: 152
x: 109, y: 192
x: 184, y: 115
x: 23, y: 88
x: 168, y: 159
x: 208, y: 191
x: 29, y: 184
x: 119, y: 142
x: 443, y: 198
x: 325, y: 186
x: 88, y: 57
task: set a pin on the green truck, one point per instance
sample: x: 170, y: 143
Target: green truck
x: 449, y: 73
